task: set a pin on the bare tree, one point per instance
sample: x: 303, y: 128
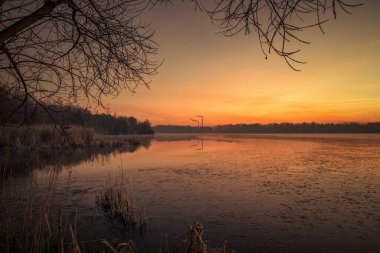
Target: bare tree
x: 70, y: 50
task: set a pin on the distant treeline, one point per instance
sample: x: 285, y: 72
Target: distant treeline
x: 352, y: 127
x: 30, y: 113
x: 181, y: 129
x: 107, y: 124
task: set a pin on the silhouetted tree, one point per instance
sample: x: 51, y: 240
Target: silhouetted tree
x: 67, y: 50
x: 71, y: 50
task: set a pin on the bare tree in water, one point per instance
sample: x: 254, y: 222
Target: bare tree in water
x: 77, y: 51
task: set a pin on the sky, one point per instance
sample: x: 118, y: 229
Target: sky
x: 229, y: 81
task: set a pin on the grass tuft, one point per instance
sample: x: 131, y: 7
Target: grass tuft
x: 117, y: 201
x: 195, y: 242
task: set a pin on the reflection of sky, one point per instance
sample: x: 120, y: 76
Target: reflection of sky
x: 297, y: 193
x: 161, y: 154
x: 229, y: 81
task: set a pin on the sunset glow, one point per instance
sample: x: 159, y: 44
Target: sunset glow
x: 229, y: 81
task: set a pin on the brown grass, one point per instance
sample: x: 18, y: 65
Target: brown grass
x: 42, y: 136
x: 117, y: 200
x: 41, y: 227
x: 55, y: 136
x: 195, y: 243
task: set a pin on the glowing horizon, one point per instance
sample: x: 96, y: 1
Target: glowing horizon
x: 229, y: 82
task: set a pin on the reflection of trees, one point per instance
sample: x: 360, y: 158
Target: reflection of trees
x: 21, y: 163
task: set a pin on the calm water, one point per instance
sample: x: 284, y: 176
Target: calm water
x: 262, y: 193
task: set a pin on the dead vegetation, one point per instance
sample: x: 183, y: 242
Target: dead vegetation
x: 46, y: 136
x: 118, y: 202
x: 33, y: 220
x: 195, y: 243
x: 35, y: 223
x: 39, y: 137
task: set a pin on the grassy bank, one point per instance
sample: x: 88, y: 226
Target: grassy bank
x: 54, y: 136
x: 46, y: 136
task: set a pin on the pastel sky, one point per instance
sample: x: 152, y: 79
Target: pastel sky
x: 229, y: 81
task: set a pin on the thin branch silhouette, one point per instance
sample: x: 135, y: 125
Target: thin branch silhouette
x: 78, y: 52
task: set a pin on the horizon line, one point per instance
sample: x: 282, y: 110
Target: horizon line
x: 278, y: 123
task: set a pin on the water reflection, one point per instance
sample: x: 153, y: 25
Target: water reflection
x: 262, y: 193
x: 22, y: 162
x: 198, y: 145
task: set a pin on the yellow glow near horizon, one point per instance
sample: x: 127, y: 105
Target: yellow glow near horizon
x: 228, y: 80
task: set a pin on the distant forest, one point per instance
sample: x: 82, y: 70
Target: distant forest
x: 352, y: 127
x: 32, y: 114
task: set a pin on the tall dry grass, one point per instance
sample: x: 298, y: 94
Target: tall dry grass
x: 195, y: 243
x: 118, y: 202
x: 42, y: 136
x: 31, y: 219
x: 55, y: 136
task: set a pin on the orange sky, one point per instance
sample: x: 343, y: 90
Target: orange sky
x: 229, y: 81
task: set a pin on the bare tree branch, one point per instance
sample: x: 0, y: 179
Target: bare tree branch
x: 277, y: 23
x: 27, y: 21
x: 79, y: 51
x: 74, y: 51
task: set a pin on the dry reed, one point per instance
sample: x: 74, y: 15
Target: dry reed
x: 195, y: 242
x: 46, y: 136
x: 117, y: 200
x: 41, y: 227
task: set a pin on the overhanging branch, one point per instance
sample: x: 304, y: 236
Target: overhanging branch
x: 29, y: 20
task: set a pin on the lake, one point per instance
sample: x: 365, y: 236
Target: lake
x: 261, y: 193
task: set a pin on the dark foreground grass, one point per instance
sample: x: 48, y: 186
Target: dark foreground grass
x: 33, y: 221
x: 194, y: 242
x: 118, y: 202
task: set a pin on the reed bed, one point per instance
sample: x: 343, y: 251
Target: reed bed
x: 195, y: 243
x: 118, y: 202
x: 57, y: 137
x: 31, y: 221
x: 46, y: 136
